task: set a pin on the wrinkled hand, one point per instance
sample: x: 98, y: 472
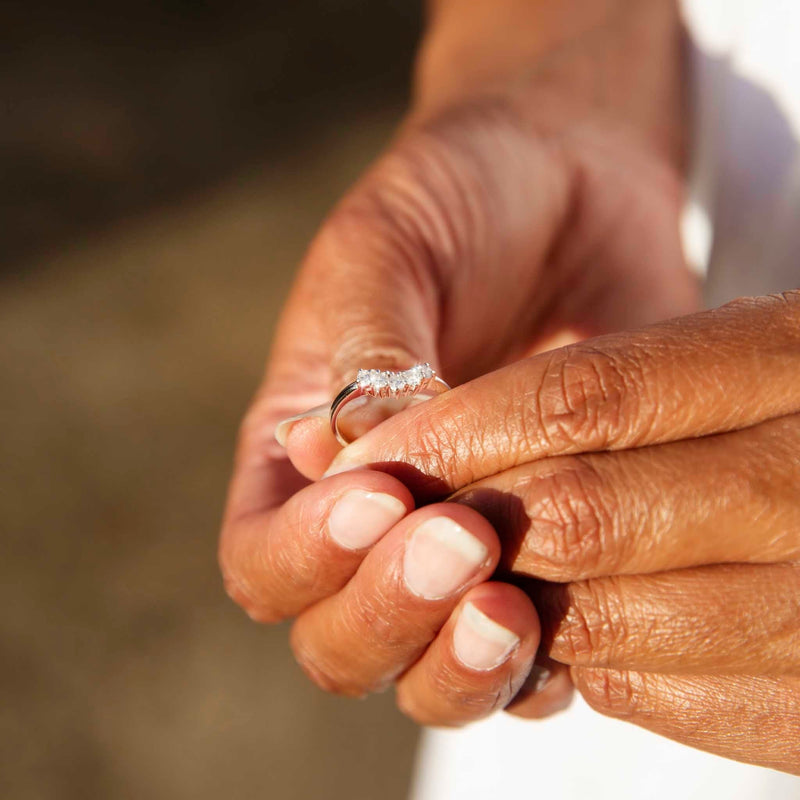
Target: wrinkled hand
x: 651, y: 482
x: 531, y: 198
x: 483, y: 235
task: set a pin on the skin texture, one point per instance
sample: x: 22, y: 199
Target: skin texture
x: 529, y: 207
x: 535, y: 182
x: 659, y: 538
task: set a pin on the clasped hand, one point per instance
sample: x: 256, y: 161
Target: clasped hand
x: 627, y: 506
x: 648, y: 481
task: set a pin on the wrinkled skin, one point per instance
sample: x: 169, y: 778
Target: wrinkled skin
x: 635, y: 494
x: 482, y: 236
x: 656, y: 502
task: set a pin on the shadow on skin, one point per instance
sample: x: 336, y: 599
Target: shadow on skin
x: 425, y: 489
x: 506, y: 512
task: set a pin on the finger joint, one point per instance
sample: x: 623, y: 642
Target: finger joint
x: 573, y: 520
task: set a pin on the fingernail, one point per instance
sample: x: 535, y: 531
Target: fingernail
x: 284, y: 426
x: 441, y: 557
x: 358, y: 519
x: 479, y: 642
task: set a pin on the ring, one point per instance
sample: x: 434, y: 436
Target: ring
x: 420, y: 381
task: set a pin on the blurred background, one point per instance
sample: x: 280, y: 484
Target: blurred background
x: 162, y: 167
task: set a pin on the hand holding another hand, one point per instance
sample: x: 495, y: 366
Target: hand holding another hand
x: 641, y: 487
x: 491, y: 229
x: 510, y: 216
x: 650, y: 482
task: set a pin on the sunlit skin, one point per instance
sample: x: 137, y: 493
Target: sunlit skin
x: 633, y: 496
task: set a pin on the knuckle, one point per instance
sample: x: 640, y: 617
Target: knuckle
x: 609, y: 692
x: 573, y: 519
x: 444, y: 447
x: 252, y: 602
x: 592, y: 625
x: 587, y: 398
x: 269, y: 583
x: 321, y: 668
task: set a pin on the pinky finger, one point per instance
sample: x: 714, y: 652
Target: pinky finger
x: 478, y: 661
x: 755, y: 719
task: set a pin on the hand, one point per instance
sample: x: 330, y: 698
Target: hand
x: 650, y: 481
x: 501, y: 220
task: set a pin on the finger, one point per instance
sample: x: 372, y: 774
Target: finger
x: 311, y: 444
x: 547, y: 690
x: 720, y: 499
x: 477, y: 663
x: 278, y: 563
x: 412, y: 240
x: 610, y: 393
x: 367, y: 296
x: 751, y: 719
x: 362, y: 638
x: 726, y: 619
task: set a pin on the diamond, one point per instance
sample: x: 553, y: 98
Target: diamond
x: 379, y: 383
x: 414, y: 377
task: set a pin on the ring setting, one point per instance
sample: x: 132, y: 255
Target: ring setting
x: 384, y: 383
x: 417, y: 382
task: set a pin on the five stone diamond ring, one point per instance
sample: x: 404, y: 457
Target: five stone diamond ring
x: 414, y: 384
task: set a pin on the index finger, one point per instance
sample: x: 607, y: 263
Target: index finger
x: 706, y: 373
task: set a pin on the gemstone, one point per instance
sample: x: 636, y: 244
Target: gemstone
x: 377, y: 382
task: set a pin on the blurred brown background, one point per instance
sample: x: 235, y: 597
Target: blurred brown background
x: 162, y: 167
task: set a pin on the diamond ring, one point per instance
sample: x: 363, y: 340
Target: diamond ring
x: 398, y: 389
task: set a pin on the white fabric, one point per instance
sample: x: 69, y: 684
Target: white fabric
x: 747, y: 160
x: 580, y: 755
x: 746, y: 73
